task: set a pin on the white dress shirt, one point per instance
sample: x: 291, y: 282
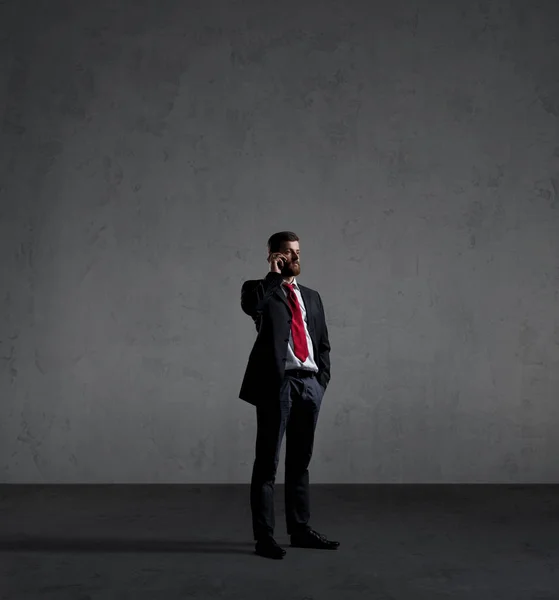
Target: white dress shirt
x: 292, y: 362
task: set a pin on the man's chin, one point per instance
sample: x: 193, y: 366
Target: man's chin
x: 291, y: 271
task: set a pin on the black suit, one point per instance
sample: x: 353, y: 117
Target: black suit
x: 283, y: 403
x: 265, y: 302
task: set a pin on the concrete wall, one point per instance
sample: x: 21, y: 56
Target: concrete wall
x: 150, y: 148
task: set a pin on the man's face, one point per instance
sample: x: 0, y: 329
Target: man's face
x: 292, y: 267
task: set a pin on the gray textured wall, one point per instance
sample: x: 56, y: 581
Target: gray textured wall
x: 150, y: 148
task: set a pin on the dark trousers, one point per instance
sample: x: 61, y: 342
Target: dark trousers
x: 294, y: 413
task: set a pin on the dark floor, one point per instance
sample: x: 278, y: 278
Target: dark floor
x: 186, y: 541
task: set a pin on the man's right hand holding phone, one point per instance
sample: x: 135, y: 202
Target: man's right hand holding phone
x: 277, y: 261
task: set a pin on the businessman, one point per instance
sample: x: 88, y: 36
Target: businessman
x: 287, y: 374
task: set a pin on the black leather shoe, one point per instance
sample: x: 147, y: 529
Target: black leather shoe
x: 269, y: 548
x: 313, y: 539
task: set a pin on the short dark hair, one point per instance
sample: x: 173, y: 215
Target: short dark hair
x: 276, y: 240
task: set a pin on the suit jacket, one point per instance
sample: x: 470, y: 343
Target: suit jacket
x: 265, y: 302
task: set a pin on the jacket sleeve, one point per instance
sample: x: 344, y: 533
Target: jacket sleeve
x: 255, y: 294
x: 323, y: 350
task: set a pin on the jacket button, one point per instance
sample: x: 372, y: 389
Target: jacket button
x: 286, y: 340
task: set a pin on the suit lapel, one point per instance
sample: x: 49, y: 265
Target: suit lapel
x: 306, y: 300
x: 281, y: 295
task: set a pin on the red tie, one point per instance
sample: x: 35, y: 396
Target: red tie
x: 300, y: 347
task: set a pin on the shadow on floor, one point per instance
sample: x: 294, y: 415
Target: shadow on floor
x: 57, y: 544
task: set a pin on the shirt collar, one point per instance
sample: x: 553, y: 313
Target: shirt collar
x: 293, y: 283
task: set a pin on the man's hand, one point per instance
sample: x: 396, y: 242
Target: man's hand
x: 277, y: 261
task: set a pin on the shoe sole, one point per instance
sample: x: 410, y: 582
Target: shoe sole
x: 279, y: 557
x: 315, y: 547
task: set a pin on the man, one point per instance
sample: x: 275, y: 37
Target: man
x: 287, y: 374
